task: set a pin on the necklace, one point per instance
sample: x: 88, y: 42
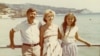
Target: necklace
x: 66, y: 35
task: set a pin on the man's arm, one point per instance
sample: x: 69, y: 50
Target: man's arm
x: 11, y: 35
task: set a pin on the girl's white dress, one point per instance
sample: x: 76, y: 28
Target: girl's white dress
x: 68, y: 41
x: 51, y: 44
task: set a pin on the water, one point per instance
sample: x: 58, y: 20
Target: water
x: 89, y: 29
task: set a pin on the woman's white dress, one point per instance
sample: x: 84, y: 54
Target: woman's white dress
x: 68, y: 41
x: 51, y: 44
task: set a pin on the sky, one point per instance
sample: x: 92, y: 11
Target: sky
x: 92, y: 5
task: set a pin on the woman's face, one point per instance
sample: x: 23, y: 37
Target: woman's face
x: 70, y: 20
x: 49, y: 18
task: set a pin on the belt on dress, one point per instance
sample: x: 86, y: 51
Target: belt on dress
x: 49, y: 36
x: 31, y: 44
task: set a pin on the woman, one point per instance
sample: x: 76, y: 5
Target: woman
x: 49, y: 36
x: 69, y: 33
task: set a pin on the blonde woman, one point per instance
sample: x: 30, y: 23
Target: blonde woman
x: 49, y: 36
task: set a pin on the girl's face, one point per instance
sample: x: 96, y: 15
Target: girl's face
x: 49, y: 18
x: 70, y: 20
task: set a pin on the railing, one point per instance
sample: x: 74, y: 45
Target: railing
x: 83, y: 50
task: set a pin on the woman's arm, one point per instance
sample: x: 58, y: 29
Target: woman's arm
x: 81, y: 40
x: 59, y: 34
x: 59, y: 37
x: 41, y: 40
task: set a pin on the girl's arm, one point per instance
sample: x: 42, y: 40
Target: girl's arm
x: 81, y: 40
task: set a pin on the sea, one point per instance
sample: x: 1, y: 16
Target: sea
x: 88, y: 28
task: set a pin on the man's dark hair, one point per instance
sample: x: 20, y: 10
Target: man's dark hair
x: 31, y: 10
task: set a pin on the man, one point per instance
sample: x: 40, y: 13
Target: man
x: 29, y: 30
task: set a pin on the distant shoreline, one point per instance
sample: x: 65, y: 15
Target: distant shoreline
x: 40, y: 15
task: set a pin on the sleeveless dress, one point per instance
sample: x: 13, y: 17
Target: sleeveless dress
x: 51, y: 44
x: 69, y: 47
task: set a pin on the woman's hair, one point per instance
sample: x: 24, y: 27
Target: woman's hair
x: 46, y: 13
x: 64, y: 24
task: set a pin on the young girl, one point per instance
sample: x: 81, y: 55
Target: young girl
x: 69, y: 33
x: 49, y: 36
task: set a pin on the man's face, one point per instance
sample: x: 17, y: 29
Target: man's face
x: 31, y: 15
